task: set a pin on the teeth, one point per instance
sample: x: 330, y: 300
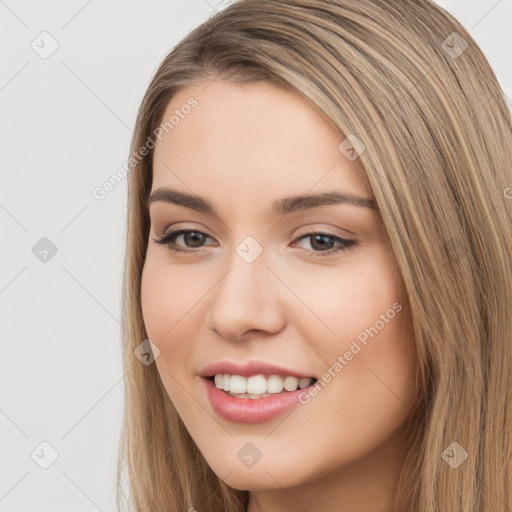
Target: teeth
x: 275, y: 384
x: 258, y: 386
x: 237, y: 384
x: 303, y: 383
x: 291, y: 383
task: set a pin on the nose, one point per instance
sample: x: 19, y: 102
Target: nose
x: 247, y: 301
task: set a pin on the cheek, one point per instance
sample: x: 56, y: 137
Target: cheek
x: 162, y: 305
x: 349, y: 302
x: 154, y: 303
x: 369, y: 361
x: 166, y: 299
x: 363, y: 320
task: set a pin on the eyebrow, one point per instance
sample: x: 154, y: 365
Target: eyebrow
x: 279, y: 207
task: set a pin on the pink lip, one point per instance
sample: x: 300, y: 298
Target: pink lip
x: 248, y: 369
x: 247, y: 410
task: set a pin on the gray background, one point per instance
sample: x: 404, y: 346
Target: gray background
x: 66, y: 123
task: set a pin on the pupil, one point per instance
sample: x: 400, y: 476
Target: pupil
x: 322, y: 244
x: 195, y: 237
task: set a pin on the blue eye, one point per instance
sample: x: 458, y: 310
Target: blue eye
x: 318, y: 240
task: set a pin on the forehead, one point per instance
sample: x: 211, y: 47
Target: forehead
x: 257, y: 139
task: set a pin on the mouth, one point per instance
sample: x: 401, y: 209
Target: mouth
x: 260, y: 385
x: 255, y: 398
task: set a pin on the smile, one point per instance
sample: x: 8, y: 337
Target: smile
x: 254, y: 407
x: 259, y: 386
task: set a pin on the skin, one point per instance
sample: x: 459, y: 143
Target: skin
x: 242, y: 147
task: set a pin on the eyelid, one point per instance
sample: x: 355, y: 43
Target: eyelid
x: 330, y: 231
x: 173, y: 228
x: 177, y: 226
x: 314, y: 227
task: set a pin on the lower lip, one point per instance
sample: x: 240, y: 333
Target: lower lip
x: 248, y: 410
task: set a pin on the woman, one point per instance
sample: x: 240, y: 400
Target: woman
x: 318, y: 276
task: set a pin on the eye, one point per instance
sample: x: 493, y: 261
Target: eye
x: 189, y: 235
x: 321, y: 243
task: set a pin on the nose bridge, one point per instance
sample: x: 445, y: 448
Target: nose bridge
x: 244, y: 299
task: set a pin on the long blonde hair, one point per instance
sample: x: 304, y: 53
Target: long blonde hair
x: 407, y: 80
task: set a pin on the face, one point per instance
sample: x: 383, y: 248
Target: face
x: 310, y: 288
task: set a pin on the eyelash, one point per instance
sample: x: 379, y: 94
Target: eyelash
x: 168, y: 239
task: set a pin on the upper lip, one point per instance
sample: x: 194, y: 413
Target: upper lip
x: 249, y: 368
